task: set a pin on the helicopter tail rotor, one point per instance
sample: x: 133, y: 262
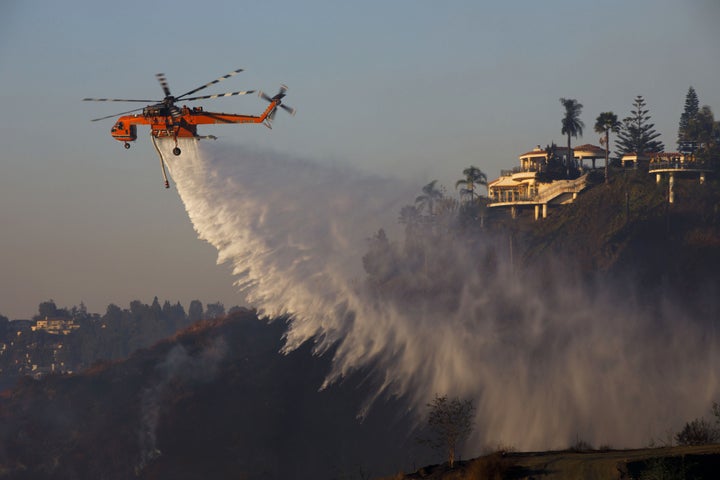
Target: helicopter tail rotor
x: 278, y: 101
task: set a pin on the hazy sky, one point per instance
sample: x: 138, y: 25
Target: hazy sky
x: 418, y: 89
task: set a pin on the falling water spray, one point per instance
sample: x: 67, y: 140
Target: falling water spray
x: 545, y: 358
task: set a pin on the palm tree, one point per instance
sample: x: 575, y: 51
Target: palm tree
x: 606, y: 122
x: 473, y: 176
x: 430, y: 195
x: 472, y: 207
x: 572, y: 126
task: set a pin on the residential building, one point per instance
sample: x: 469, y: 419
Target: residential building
x: 525, y: 186
x: 56, y: 326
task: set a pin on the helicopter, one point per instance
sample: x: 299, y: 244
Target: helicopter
x: 168, y: 120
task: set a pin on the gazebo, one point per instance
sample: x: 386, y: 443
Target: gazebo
x: 588, y: 152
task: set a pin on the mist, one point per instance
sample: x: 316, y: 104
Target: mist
x: 546, y: 358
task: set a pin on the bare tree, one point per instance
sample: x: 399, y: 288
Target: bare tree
x: 449, y: 423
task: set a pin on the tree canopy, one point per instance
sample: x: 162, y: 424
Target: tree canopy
x: 706, y: 132
x: 689, y: 115
x: 637, y: 134
x: 473, y: 176
x: 449, y: 423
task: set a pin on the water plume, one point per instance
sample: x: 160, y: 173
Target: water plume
x: 546, y: 359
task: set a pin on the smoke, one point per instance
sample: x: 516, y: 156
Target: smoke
x: 179, y: 366
x: 546, y: 359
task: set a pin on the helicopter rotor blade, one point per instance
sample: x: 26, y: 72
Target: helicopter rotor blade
x: 163, y: 83
x: 217, y: 95
x: 118, y: 100
x: 217, y: 80
x: 116, y: 114
x: 290, y: 110
x: 265, y: 97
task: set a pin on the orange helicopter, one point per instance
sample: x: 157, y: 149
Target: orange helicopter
x: 168, y: 120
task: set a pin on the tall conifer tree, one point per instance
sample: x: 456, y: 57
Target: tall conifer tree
x: 637, y: 135
x: 688, y: 117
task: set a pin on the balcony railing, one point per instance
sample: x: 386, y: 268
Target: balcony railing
x: 560, y: 187
x: 670, y: 165
x: 508, y: 173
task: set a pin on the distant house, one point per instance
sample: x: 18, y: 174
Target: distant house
x: 55, y: 326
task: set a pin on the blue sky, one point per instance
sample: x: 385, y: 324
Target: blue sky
x: 417, y: 89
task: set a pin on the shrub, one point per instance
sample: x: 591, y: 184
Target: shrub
x: 581, y: 445
x: 697, y: 432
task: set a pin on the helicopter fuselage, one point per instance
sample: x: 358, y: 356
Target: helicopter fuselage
x: 177, y: 122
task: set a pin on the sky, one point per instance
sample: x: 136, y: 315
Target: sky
x: 417, y: 90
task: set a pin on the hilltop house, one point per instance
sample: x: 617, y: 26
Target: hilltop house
x: 524, y: 186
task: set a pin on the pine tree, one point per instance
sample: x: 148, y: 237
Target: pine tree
x: 637, y: 135
x: 692, y: 108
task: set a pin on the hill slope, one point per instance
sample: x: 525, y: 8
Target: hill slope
x: 628, y: 230
x: 667, y: 463
x: 216, y: 401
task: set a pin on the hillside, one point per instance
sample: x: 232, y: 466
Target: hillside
x: 667, y: 463
x: 627, y: 230
x: 216, y: 401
